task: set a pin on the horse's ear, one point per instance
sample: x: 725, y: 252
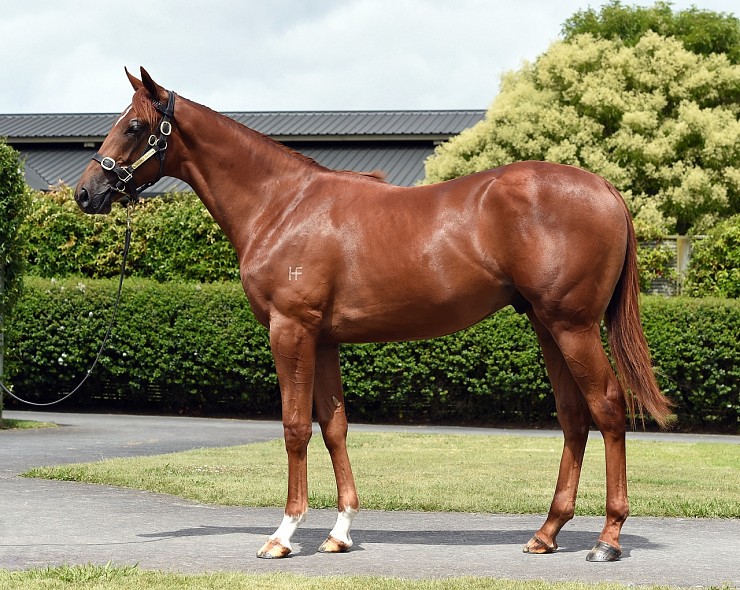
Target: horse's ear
x: 135, y: 82
x: 156, y: 92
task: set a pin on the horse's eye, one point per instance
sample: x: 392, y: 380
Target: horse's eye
x: 134, y: 127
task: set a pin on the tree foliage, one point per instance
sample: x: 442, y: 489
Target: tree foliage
x: 656, y: 119
x: 701, y: 31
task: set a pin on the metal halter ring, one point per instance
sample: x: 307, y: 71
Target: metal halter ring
x: 159, y: 143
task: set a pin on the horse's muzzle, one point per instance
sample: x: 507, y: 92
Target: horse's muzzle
x: 83, y: 198
x: 95, y: 203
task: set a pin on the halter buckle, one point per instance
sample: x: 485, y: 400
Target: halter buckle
x: 165, y: 127
x: 124, y: 174
x: 107, y: 163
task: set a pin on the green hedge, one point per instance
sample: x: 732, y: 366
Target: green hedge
x: 175, y: 238
x: 174, y: 347
x: 196, y: 348
x: 694, y: 343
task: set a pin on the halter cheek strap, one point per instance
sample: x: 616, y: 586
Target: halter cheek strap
x: 157, y: 149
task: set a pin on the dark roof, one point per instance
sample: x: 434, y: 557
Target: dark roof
x: 442, y: 124
x: 23, y: 128
x: 57, y: 147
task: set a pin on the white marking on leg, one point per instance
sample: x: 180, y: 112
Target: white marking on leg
x: 341, y: 530
x: 286, y: 529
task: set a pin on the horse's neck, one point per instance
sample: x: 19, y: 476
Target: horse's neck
x: 236, y: 172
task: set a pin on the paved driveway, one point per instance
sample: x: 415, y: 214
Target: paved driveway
x: 47, y: 523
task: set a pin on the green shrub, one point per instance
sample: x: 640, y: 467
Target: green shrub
x: 175, y: 238
x: 13, y: 210
x: 715, y: 262
x: 695, y: 350
x: 492, y: 372
x: 198, y: 349
x: 654, y: 262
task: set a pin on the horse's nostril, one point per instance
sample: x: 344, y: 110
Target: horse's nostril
x: 82, y: 198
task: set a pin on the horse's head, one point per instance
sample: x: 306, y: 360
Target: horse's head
x: 132, y: 155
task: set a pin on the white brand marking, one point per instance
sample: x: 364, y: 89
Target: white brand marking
x: 294, y: 273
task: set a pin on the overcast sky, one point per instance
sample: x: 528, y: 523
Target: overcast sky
x: 62, y: 56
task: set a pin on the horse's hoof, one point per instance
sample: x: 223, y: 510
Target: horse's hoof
x: 332, y: 545
x: 273, y: 550
x: 603, y: 552
x: 538, y: 546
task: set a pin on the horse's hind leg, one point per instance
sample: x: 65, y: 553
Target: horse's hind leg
x: 329, y: 403
x: 574, y: 418
x: 589, y: 365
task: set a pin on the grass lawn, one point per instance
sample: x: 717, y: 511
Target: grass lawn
x: 8, y: 424
x: 496, y: 474
x: 131, y: 578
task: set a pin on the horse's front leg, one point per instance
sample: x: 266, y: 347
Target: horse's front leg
x: 329, y: 400
x: 294, y: 350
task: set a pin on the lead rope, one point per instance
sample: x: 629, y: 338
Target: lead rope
x: 126, y: 245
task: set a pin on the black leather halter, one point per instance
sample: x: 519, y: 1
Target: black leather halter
x: 157, y: 149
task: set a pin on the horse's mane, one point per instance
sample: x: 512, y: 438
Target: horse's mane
x: 376, y: 174
x: 148, y: 110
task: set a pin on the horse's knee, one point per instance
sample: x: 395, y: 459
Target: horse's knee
x: 333, y: 423
x: 297, y: 436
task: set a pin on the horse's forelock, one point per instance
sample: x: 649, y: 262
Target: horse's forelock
x: 144, y: 107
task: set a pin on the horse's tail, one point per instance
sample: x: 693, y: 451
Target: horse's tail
x: 627, y: 340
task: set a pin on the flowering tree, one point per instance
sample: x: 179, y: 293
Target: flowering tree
x: 656, y: 119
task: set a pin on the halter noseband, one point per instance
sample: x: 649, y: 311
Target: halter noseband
x: 157, y: 149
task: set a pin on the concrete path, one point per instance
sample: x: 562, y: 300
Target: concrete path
x: 49, y: 523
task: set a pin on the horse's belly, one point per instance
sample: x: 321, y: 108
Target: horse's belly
x: 413, y: 314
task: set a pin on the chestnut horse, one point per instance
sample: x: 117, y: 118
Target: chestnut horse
x: 328, y: 257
